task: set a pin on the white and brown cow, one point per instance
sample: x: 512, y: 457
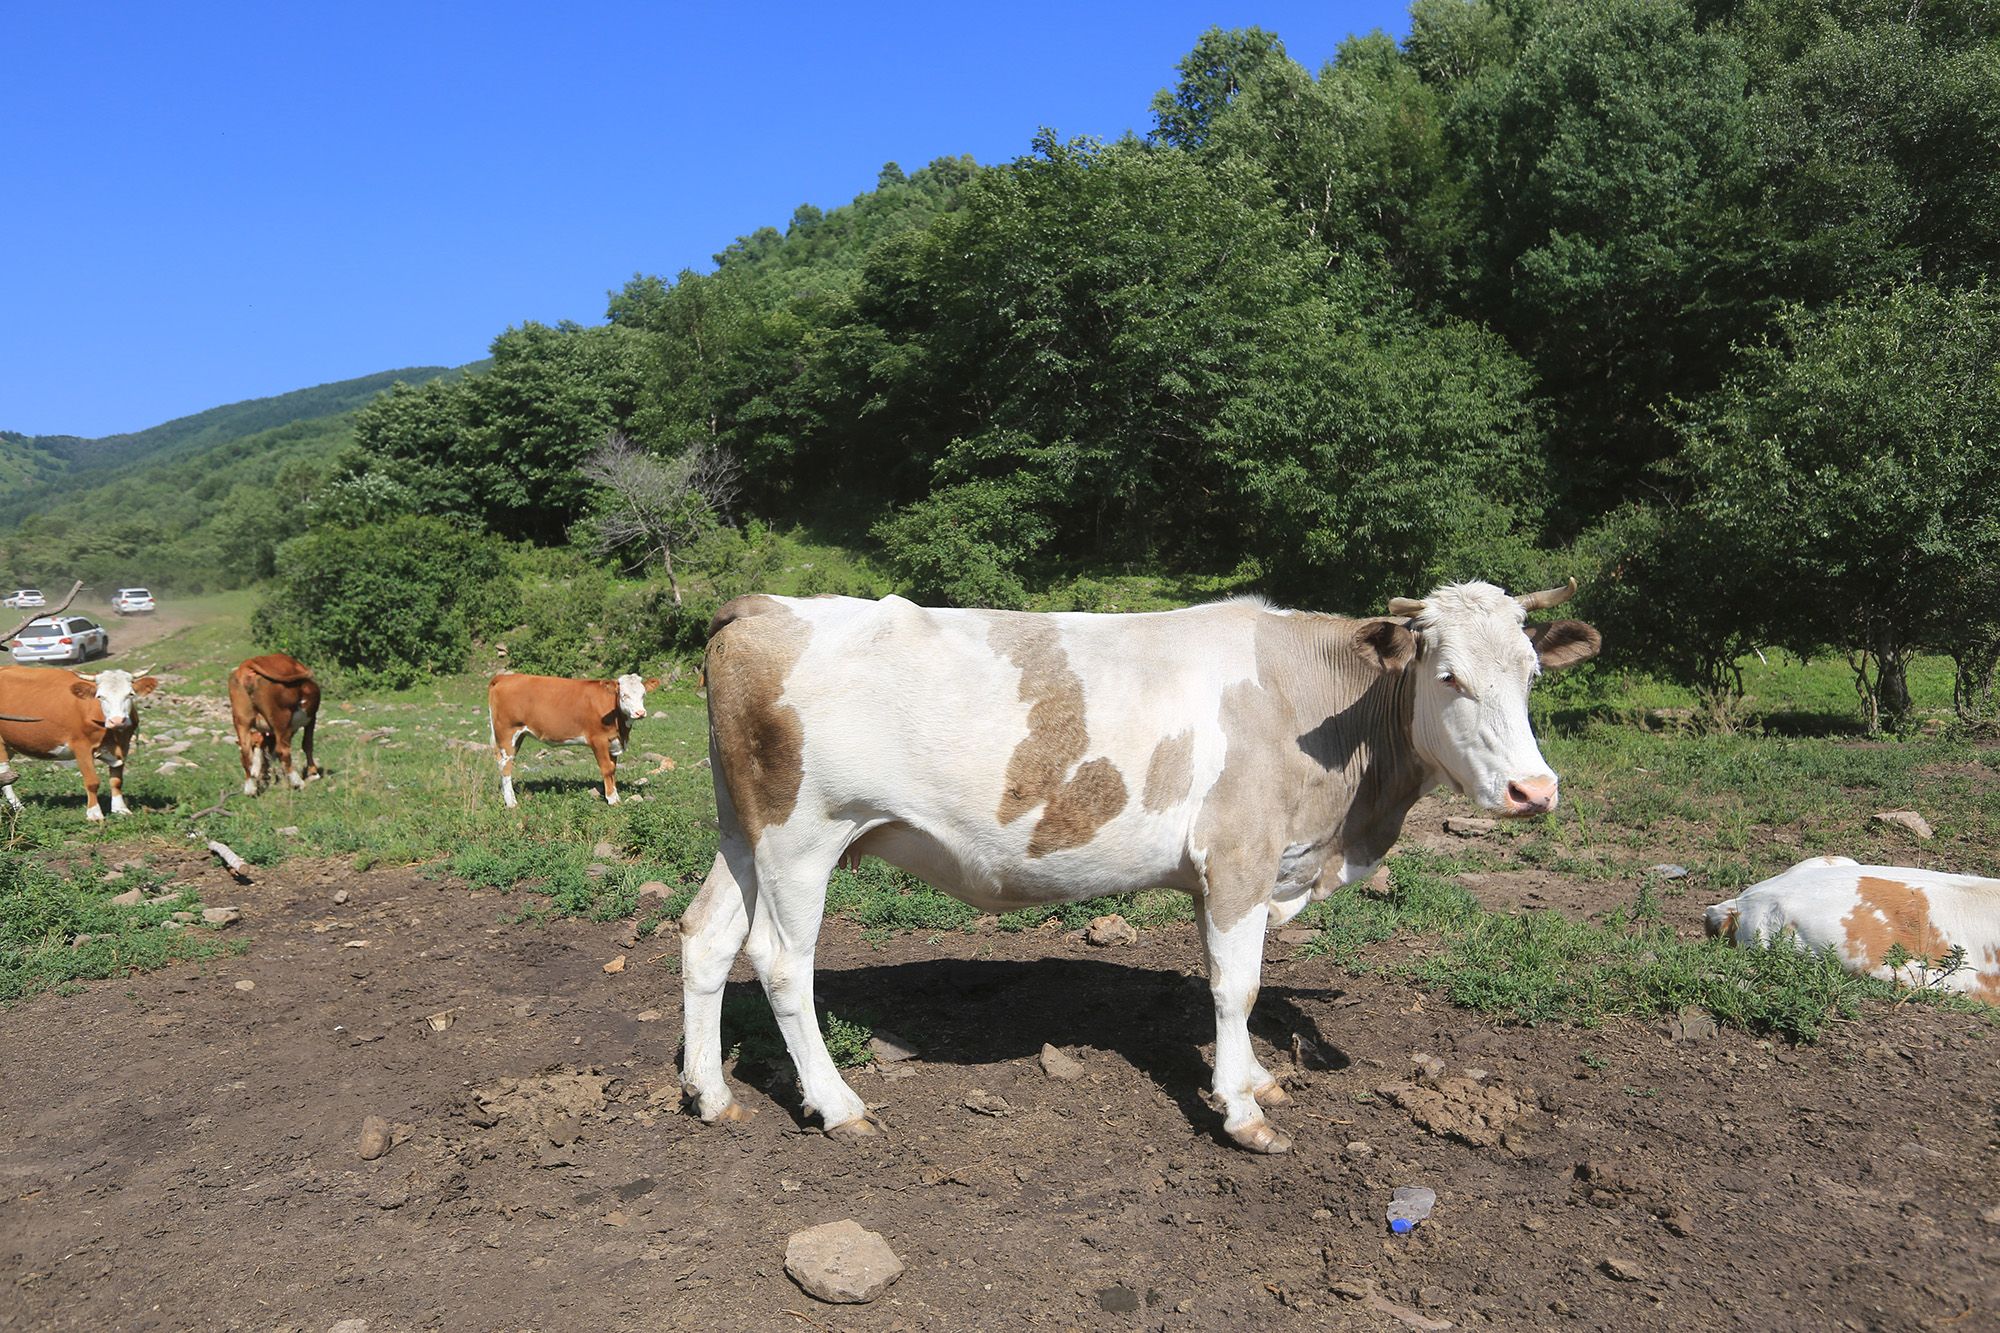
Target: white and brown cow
x: 269, y: 697
x: 1862, y: 914
x: 561, y: 711
x: 1253, y: 757
x: 55, y: 714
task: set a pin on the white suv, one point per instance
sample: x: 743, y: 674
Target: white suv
x: 25, y: 597
x: 62, y: 639
x: 133, y: 602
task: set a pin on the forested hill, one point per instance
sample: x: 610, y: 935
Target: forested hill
x: 200, y: 501
x: 27, y: 460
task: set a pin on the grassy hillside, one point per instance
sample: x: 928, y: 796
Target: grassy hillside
x: 32, y: 466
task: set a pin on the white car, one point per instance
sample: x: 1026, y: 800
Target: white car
x: 61, y: 639
x: 133, y: 602
x: 25, y: 597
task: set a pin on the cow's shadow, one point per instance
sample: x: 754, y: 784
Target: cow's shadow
x: 990, y: 1011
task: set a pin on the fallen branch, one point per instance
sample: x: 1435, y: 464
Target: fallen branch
x: 230, y: 859
x: 219, y: 808
x: 43, y: 614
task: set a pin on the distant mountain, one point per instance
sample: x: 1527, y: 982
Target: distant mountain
x: 31, y: 466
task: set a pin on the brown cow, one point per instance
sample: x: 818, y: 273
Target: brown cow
x: 269, y: 696
x: 73, y: 715
x: 560, y: 711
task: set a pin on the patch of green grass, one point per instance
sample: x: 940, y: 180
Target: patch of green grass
x: 750, y: 1035
x: 44, y: 917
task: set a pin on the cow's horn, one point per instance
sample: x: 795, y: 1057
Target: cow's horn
x: 1405, y: 606
x: 1548, y: 597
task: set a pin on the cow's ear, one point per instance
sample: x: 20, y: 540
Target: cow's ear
x: 145, y: 684
x: 83, y: 689
x: 1563, y: 643
x: 1389, y: 642
x: 651, y: 683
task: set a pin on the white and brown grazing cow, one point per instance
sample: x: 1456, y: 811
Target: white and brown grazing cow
x: 55, y: 714
x: 269, y: 697
x: 561, y: 711
x: 1253, y: 757
x: 1861, y: 914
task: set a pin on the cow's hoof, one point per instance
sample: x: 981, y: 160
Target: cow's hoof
x: 1272, y: 1094
x: 249, y: 789
x: 94, y: 815
x: 863, y: 1126
x: 1262, y: 1136
x: 732, y: 1112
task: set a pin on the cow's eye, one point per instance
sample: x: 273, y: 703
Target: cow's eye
x: 1450, y: 681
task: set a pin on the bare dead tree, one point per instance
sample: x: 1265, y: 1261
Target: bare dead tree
x: 659, y: 505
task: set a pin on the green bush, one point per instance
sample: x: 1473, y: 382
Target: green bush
x: 389, y: 602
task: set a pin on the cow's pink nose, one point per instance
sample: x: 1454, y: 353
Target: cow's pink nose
x: 1531, y: 796
x: 638, y: 713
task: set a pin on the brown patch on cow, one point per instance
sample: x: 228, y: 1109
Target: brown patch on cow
x: 1171, y: 772
x: 1989, y: 976
x: 742, y: 608
x: 1888, y: 912
x: 1086, y: 803
x: 280, y: 667
x: 759, y: 740
x: 1324, y: 729
x: 1056, y: 735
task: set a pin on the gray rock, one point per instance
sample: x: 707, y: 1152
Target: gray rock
x: 1297, y: 935
x: 654, y: 888
x: 841, y: 1262
x: 1692, y: 1025
x: 1624, y: 1270
x: 891, y: 1049
x: 129, y: 898
x: 1908, y: 819
x: 1667, y: 870
x: 221, y: 916
x: 1060, y: 1066
x: 1466, y: 826
x: 339, y: 897
x: 988, y: 1103
x: 604, y: 851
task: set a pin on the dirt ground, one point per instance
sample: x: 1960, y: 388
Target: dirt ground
x: 181, y: 1150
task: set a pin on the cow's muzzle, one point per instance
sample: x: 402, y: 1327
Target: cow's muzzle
x: 1531, y: 796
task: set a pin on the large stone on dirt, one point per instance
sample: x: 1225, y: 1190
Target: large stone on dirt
x: 375, y: 1138
x: 655, y: 888
x: 221, y: 916
x: 1106, y: 931
x: 889, y: 1049
x: 1468, y: 826
x: 129, y: 898
x: 841, y: 1262
x: 1060, y: 1065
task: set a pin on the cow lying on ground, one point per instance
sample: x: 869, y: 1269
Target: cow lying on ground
x: 1252, y: 757
x: 560, y: 711
x: 268, y: 697
x: 74, y: 716
x: 1862, y: 913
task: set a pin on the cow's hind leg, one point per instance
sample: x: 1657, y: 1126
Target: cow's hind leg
x: 712, y: 932
x: 309, y: 714
x: 784, y: 935
x: 1235, y: 962
x: 7, y: 778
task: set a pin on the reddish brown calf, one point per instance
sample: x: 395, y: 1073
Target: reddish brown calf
x: 269, y: 697
x: 560, y: 711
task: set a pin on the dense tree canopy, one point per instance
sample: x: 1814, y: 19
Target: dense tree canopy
x: 1616, y: 286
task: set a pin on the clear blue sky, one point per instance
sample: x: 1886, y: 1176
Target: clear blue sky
x: 206, y: 203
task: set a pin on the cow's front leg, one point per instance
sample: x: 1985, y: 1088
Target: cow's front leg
x: 114, y: 760
x: 504, y: 750
x: 1235, y: 949
x: 607, y: 764
x: 8, y: 777
x: 784, y: 933
x: 89, y: 772
x: 251, y: 747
